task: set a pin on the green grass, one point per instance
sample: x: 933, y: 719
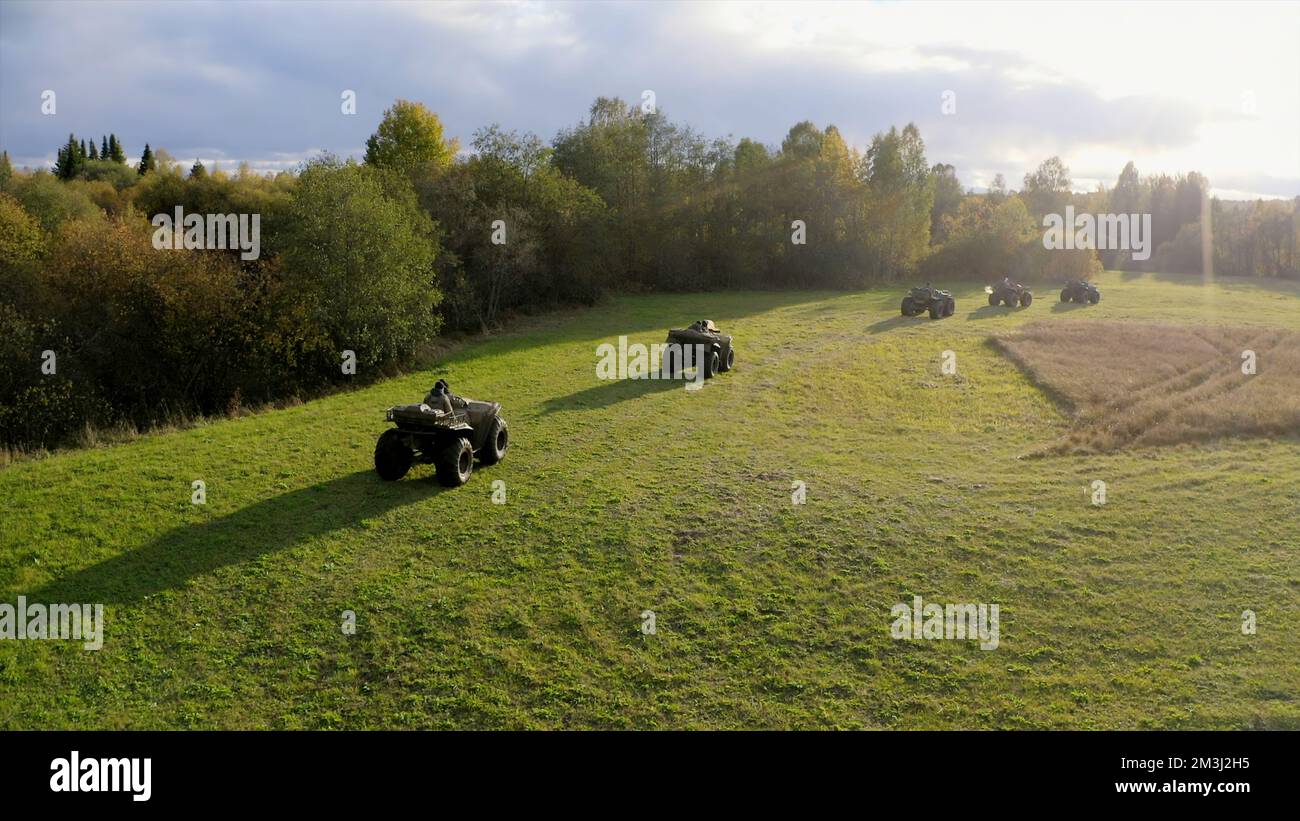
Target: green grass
x: 633, y: 496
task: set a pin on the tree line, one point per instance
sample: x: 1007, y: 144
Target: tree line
x: 419, y: 239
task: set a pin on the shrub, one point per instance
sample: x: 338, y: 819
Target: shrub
x: 359, y: 257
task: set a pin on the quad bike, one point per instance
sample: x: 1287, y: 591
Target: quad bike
x: 1009, y: 293
x: 445, y: 430
x: 1078, y: 290
x: 719, y: 354
x: 938, y: 303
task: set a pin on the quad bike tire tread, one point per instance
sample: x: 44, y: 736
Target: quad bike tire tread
x: 496, y: 443
x: 451, y: 459
x: 392, y: 457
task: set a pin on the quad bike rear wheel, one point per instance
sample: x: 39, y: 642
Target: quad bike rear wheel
x: 711, y: 364
x: 392, y: 456
x: 672, y: 362
x: 454, y: 462
x: 498, y: 440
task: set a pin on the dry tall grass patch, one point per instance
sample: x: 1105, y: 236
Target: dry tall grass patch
x: 1129, y: 384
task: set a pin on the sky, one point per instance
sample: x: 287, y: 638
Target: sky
x: 1174, y: 87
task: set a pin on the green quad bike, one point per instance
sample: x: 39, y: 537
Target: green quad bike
x: 1009, y: 293
x: 719, y: 353
x: 445, y: 430
x: 1081, y: 291
x: 938, y: 303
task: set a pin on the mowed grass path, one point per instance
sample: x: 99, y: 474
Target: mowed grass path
x: 632, y: 496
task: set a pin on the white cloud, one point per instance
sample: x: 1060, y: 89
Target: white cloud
x: 1163, y: 84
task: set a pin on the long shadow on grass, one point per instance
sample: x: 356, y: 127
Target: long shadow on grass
x: 989, y: 311
x: 1066, y: 307
x: 259, y: 529
x: 895, y: 321
x: 610, y: 393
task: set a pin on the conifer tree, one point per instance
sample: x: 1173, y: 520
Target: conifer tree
x: 147, y: 161
x: 70, y: 160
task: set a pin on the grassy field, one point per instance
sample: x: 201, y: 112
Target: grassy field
x: 624, y: 497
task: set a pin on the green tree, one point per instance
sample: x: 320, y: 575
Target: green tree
x: 410, y: 140
x: 119, y: 176
x: 360, y: 254
x: 900, y: 197
x: 197, y: 171
x: 147, y: 161
x: 1127, y: 197
x: 52, y: 202
x: 548, y: 255
x: 947, y: 199
x: 998, y: 190
x: 1047, y: 189
x: 21, y: 238
x: 70, y: 159
x: 985, y: 241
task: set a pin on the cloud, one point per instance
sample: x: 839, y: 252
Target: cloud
x: 262, y: 82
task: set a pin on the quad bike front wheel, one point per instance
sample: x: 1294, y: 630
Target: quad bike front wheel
x: 994, y: 300
x: 455, y: 462
x: 498, y: 439
x: 908, y: 308
x: 1094, y: 298
x: 729, y: 362
x: 1026, y: 299
x: 392, y: 457
x: 1065, y: 294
